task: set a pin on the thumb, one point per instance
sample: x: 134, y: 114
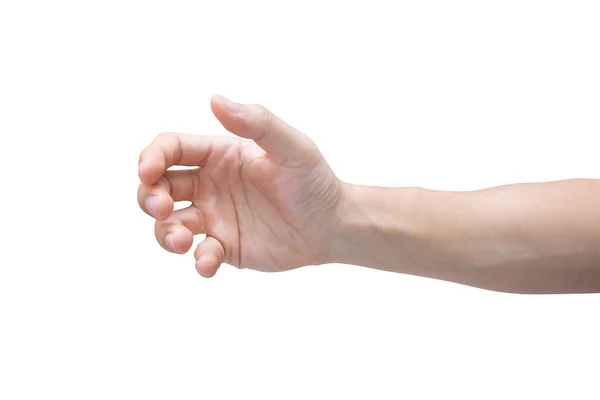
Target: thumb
x: 282, y: 142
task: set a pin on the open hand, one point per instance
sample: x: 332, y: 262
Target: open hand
x: 265, y: 199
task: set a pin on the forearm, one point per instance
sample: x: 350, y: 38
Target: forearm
x: 525, y: 238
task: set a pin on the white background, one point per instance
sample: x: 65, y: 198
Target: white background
x: 441, y: 94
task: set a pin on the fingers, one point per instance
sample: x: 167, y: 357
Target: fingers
x: 281, y: 141
x: 176, y: 233
x: 170, y: 149
x: 157, y: 200
x: 209, y: 255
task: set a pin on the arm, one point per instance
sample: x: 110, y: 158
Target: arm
x: 268, y: 200
x: 522, y: 238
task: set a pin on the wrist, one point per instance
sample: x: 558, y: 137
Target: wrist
x: 371, y: 227
x: 409, y: 230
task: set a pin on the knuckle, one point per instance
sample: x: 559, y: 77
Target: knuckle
x: 170, y: 144
x: 165, y: 135
x: 268, y: 121
x: 262, y: 109
x: 168, y: 139
x: 269, y: 118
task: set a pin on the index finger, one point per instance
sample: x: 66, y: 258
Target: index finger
x: 169, y: 149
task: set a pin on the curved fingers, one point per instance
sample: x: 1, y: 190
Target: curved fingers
x: 176, y: 233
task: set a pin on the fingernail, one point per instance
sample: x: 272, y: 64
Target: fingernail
x: 234, y: 108
x: 152, y: 205
x: 169, y: 242
x: 140, y: 167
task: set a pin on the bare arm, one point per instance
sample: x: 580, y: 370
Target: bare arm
x: 269, y: 201
x: 522, y: 238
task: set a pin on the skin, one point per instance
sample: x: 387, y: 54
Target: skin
x: 268, y: 200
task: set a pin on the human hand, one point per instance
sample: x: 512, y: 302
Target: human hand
x: 266, y: 203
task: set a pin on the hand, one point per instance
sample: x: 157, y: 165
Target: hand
x: 265, y: 203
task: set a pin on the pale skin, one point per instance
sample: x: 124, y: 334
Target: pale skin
x: 268, y: 200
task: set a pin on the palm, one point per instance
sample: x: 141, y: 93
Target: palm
x: 271, y: 216
x: 263, y: 203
